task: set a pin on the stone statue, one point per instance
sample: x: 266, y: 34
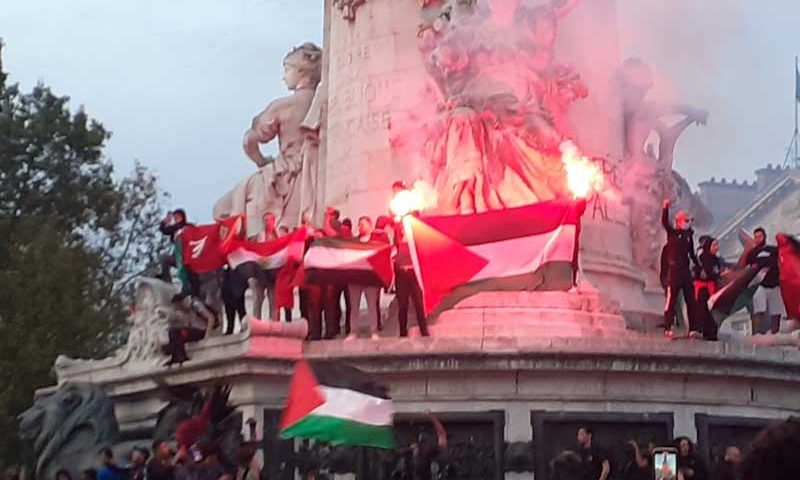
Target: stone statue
x: 68, y: 427
x: 504, y: 105
x: 648, y: 168
x: 278, y: 186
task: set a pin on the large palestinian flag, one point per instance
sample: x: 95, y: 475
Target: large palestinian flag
x: 338, y: 404
x: 736, y: 291
x: 527, y: 248
x: 789, y: 266
x: 342, y: 261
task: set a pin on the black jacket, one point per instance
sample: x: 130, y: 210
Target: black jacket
x: 766, y: 256
x: 709, y: 268
x: 679, y: 249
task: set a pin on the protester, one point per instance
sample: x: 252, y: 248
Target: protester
x: 773, y: 455
x: 407, y: 288
x: 210, y: 467
x: 371, y: 293
x: 233, y: 293
x: 679, y: 251
x: 249, y: 468
x: 190, y: 321
x: 137, y: 461
x: 89, y: 474
x: 283, y: 230
x: 594, y: 461
x: 245, y: 263
x: 689, y: 463
x: 566, y: 466
x: 425, y: 451
x: 161, y: 466
x: 270, y: 231
x: 109, y: 470
x: 171, y: 225
x: 311, y: 297
x: 63, y: 475
x: 641, y: 465
x: 706, y: 276
x: 730, y: 466
x: 767, y: 301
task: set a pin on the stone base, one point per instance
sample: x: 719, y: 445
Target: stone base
x: 577, y: 313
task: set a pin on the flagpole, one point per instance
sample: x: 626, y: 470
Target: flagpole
x: 793, y: 152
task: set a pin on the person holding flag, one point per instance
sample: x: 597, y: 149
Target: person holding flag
x: 767, y: 302
x: 678, y: 253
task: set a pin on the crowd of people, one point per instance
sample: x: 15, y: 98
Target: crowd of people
x: 695, y: 275
x: 770, y: 456
x: 332, y: 310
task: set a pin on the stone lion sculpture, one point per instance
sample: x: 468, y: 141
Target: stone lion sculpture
x: 68, y: 427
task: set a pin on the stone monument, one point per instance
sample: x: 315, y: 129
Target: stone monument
x: 512, y: 375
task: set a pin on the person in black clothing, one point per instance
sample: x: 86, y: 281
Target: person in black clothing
x: 689, y: 463
x: 161, y: 466
x: 594, y: 462
x: 233, y: 292
x: 679, y: 251
x: 425, y: 451
x: 170, y: 226
x: 641, y: 465
x: 772, y: 455
x: 706, y: 277
x: 767, y: 301
x: 407, y: 288
x: 730, y: 466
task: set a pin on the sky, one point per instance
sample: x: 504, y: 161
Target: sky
x: 178, y: 81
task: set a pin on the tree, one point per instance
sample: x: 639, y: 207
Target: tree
x: 73, y: 239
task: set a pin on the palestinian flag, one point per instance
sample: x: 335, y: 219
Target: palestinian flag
x: 789, y: 267
x: 341, y: 261
x: 338, y: 404
x: 527, y: 248
x: 200, y: 246
x: 736, y: 291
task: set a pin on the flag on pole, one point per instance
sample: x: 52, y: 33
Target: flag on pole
x: 338, y: 404
x: 789, y: 267
x: 349, y: 262
x: 736, y: 291
x: 527, y: 248
x: 797, y: 83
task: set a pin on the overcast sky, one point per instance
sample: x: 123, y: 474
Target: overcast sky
x: 178, y: 81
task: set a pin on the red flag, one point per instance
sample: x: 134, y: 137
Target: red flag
x: 789, y: 266
x: 201, y: 248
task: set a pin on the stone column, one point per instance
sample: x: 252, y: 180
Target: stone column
x: 518, y: 428
x: 374, y: 67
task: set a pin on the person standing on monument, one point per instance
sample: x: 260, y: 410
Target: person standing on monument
x: 171, y: 226
x: 594, y: 461
x: 706, y: 275
x: 679, y: 252
x: 767, y: 301
x: 366, y: 234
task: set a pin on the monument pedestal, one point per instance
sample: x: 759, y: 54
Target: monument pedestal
x: 577, y: 313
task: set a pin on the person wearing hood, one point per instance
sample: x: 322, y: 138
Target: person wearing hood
x: 706, y: 278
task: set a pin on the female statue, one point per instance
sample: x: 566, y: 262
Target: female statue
x: 278, y: 186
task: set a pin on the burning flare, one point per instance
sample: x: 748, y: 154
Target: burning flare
x: 583, y: 176
x: 420, y: 198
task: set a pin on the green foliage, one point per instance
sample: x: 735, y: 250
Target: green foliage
x: 73, y: 238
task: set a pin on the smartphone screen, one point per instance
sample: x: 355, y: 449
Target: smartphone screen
x: 665, y: 464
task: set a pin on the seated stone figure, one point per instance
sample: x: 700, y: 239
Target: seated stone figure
x: 283, y: 185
